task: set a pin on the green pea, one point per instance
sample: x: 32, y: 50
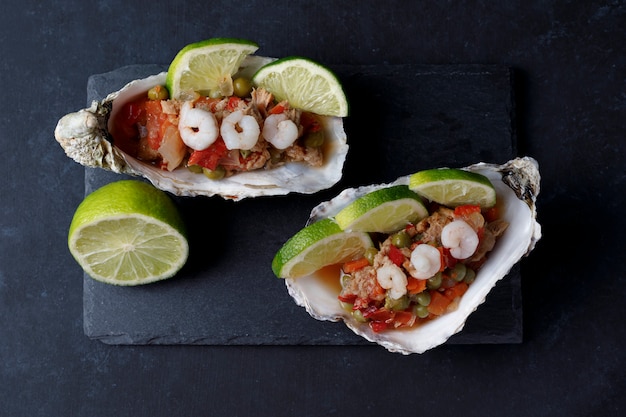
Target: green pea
x: 346, y: 306
x: 358, y: 316
x: 398, y: 304
x: 196, y: 169
x: 345, y: 279
x: 401, y: 239
x: 158, y: 92
x: 458, y: 272
x: 434, y: 282
x: 242, y: 87
x: 216, y: 174
x: 370, y: 254
x: 470, y: 276
x: 423, y: 298
x: 314, y: 139
x: 420, y: 311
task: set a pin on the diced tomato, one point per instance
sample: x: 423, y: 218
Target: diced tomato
x: 155, y: 123
x: 466, y: 210
x: 207, y: 103
x: 209, y: 157
x: 491, y: 214
x: 279, y: 108
x: 310, y: 122
x: 403, y: 318
x: 396, y: 255
x: 347, y: 298
x: 233, y: 103
x: 447, y: 260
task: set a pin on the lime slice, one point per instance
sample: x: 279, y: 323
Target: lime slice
x: 128, y: 233
x: 207, y: 67
x: 386, y: 210
x: 318, y: 245
x: 454, y: 187
x: 306, y: 84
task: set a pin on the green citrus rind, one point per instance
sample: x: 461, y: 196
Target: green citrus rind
x: 384, y: 211
x: 318, y: 245
x: 105, y: 225
x: 306, y: 84
x: 454, y: 187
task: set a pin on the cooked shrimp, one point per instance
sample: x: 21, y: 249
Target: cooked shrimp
x: 197, y: 128
x: 426, y: 261
x: 460, y: 238
x: 280, y: 131
x: 391, y: 277
x: 240, y: 131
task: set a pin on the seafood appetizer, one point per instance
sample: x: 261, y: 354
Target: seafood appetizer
x: 221, y: 121
x: 404, y: 264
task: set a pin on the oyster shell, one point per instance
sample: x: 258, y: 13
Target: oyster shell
x: 85, y: 137
x: 517, y: 187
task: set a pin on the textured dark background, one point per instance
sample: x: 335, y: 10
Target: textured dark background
x: 569, y: 60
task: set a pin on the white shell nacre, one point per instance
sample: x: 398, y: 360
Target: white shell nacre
x: 85, y: 137
x: 517, y: 187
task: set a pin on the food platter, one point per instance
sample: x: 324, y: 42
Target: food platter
x: 403, y: 118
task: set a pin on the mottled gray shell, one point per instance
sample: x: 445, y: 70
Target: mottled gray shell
x: 84, y: 135
x: 517, y: 187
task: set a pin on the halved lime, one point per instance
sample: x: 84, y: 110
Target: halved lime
x: 318, y: 245
x: 386, y: 210
x: 306, y: 84
x: 128, y: 233
x: 207, y: 67
x: 454, y: 187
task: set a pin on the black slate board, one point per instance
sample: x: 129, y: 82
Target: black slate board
x: 403, y: 118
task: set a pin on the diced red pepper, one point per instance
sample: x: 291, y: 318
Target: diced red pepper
x: 396, y: 255
x: 209, y: 157
x: 466, y: 210
x: 415, y: 286
x: 378, y: 326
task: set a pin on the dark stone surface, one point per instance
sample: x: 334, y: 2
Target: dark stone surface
x: 455, y: 115
x: 568, y: 62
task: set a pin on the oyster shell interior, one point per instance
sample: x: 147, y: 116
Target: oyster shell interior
x: 85, y: 137
x: 517, y: 187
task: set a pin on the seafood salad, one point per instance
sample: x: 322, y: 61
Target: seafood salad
x: 218, y: 136
x: 421, y: 271
x: 418, y: 285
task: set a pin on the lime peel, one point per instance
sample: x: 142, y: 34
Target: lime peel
x: 318, y: 245
x: 454, y: 187
x: 305, y: 84
x: 128, y: 233
x: 384, y: 211
x: 207, y: 67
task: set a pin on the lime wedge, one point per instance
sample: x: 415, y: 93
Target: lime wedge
x: 454, y: 187
x: 207, y: 67
x: 128, y: 233
x: 386, y: 210
x: 306, y: 84
x: 318, y: 245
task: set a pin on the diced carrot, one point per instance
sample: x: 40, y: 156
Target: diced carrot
x: 415, y: 286
x: 438, y: 303
x: 456, y: 291
x: 355, y: 265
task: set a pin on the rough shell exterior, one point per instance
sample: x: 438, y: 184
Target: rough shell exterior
x: 517, y: 186
x: 84, y: 135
